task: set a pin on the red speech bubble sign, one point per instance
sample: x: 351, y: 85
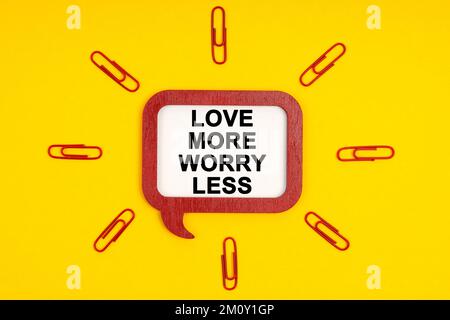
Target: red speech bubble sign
x: 172, y: 207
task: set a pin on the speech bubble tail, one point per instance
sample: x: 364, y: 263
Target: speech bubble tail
x: 173, y: 220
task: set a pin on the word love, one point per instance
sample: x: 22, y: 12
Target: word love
x: 221, y: 134
x: 214, y: 118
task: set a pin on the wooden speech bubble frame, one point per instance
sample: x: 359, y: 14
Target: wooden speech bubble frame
x: 173, y: 208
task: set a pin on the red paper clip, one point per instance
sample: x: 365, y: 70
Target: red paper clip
x: 111, y: 226
x: 320, y: 73
x: 117, y: 73
x: 321, y: 221
x: 355, y: 157
x: 225, y: 276
x: 214, y: 43
x: 63, y: 154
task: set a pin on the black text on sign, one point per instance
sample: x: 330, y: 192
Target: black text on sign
x: 221, y: 151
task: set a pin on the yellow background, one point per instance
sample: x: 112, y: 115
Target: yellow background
x: 391, y: 87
